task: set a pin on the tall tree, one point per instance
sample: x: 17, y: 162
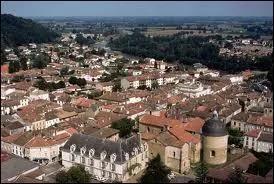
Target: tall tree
x: 125, y: 126
x: 156, y: 172
x: 76, y: 174
x: 11, y: 67
x: 23, y: 63
x: 200, y: 171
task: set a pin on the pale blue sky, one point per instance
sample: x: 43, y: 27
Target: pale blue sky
x: 138, y: 8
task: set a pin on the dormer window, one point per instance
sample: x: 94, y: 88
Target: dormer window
x: 91, y: 153
x: 72, y: 148
x: 142, y: 148
x: 127, y: 156
x: 135, y: 151
x: 103, y: 155
x: 113, y: 158
x: 145, y: 146
x: 83, y: 150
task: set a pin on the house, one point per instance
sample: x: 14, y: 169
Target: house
x: 45, y: 150
x: 39, y: 94
x: 51, y: 119
x: 246, y: 121
x: 13, y: 166
x: 13, y: 127
x: 9, y: 106
x: 104, y: 86
x: 104, y: 158
x: 259, y: 141
x: 83, y: 103
x: 147, y: 80
x: 153, y: 126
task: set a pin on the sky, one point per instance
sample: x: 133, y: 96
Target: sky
x: 137, y: 8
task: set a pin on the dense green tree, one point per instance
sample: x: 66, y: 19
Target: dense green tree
x: 156, y: 172
x: 125, y: 126
x: 3, y: 57
x: 154, y: 85
x: 23, y: 63
x: 41, y: 61
x: 16, y: 31
x: 76, y: 174
x: 117, y: 86
x: 16, y: 66
x: 200, y: 171
x: 64, y: 71
x: 236, y: 176
x: 81, y: 82
x: 73, y: 80
x: 11, y: 67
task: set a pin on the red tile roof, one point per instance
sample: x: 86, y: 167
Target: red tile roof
x: 202, y: 108
x: 158, y: 121
x: 253, y: 133
x: 148, y: 136
x: 184, y: 136
x: 5, y: 68
x: 261, y: 120
x: 194, y: 124
x: 83, y: 102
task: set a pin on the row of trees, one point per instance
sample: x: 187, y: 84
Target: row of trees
x: 42, y: 84
x: 18, y: 31
x: 78, y: 81
x: 84, y: 41
x: 190, y: 50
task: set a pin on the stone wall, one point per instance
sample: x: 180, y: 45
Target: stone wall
x: 217, y: 144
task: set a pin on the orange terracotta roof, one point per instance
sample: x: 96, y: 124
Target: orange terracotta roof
x: 71, y: 131
x: 5, y: 68
x: 174, y: 99
x: 182, y: 135
x: 262, y: 120
x: 202, y: 108
x: 158, y: 121
x: 194, y: 124
x: 37, y: 141
x: 84, y: 102
x: 11, y: 138
x: 253, y: 133
x: 148, y: 136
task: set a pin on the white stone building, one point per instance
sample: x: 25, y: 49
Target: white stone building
x: 104, y: 158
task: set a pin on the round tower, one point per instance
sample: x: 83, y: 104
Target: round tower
x: 215, y: 140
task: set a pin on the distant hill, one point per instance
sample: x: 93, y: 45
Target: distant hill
x: 17, y: 31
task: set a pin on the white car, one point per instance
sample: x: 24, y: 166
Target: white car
x: 171, y: 176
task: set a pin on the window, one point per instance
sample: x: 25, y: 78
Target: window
x: 235, y: 123
x: 91, y: 162
x: 174, y: 154
x: 72, y: 157
x: 104, y: 173
x: 104, y: 165
x: 148, y: 129
x: 113, y: 167
x: 212, y: 153
x: 83, y: 160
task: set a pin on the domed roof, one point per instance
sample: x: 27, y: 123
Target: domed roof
x: 214, y: 127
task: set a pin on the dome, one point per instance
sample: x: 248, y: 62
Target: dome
x: 214, y: 127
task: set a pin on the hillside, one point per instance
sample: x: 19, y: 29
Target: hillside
x: 17, y: 31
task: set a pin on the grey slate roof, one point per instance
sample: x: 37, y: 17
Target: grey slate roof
x: 214, y: 127
x: 99, y: 145
x: 15, y: 166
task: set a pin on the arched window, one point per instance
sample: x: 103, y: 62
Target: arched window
x: 212, y: 153
x: 103, y: 155
x: 91, y: 153
x: 72, y: 148
x: 83, y: 150
x: 112, y: 157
